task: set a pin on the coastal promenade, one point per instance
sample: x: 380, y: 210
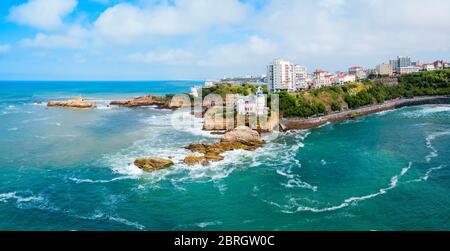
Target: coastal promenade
x: 308, y: 123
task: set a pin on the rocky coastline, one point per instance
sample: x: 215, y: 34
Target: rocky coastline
x: 161, y: 102
x: 287, y: 124
x: 203, y: 154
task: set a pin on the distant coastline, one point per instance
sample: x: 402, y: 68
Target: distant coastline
x: 294, y: 123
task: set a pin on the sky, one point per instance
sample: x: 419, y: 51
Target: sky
x: 210, y: 39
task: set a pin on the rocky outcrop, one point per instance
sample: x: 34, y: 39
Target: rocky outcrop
x: 240, y: 138
x: 152, y: 163
x: 204, y: 160
x: 162, y: 102
x: 242, y: 134
x: 192, y: 160
x: 73, y: 103
x: 140, y: 101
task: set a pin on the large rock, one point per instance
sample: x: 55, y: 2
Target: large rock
x: 139, y: 101
x: 240, y: 138
x: 73, y: 103
x: 163, y: 102
x: 152, y: 163
x: 242, y: 134
x: 192, y: 160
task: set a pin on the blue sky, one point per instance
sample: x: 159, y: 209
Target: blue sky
x: 209, y: 39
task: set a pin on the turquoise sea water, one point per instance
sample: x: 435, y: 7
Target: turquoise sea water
x: 66, y: 169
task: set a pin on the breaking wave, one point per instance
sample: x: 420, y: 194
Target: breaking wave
x: 294, y: 207
x: 426, y: 111
x: 429, y: 140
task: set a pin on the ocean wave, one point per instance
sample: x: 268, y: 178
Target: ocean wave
x: 427, y: 111
x: 382, y: 113
x: 187, y: 122
x: 81, y: 181
x: 180, y: 174
x: 295, y: 207
x: 427, y: 175
x: 429, y: 144
x: 28, y: 200
x: 5, y: 197
x: 107, y: 217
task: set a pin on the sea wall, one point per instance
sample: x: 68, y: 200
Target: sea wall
x: 307, y: 123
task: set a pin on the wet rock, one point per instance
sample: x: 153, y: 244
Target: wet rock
x: 73, y: 103
x: 192, y: 160
x: 242, y: 134
x: 239, y: 138
x: 152, y: 163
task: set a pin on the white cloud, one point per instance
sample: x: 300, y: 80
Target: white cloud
x: 74, y: 38
x: 43, y: 14
x: 253, y: 51
x: 230, y: 37
x: 347, y: 31
x: 167, y: 57
x: 126, y: 22
x: 4, y: 48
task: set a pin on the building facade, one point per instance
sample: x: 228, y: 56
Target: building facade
x: 400, y: 62
x: 300, y: 77
x: 385, y: 69
x: 409, y: 69
x: 256, y: 104
x: 285, y: 76
x: 347, y: 78
x: 358, y: 71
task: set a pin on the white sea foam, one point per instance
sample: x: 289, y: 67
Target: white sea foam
x: 207, y: 224
x: 80, y: 181
x: 382, y: 113
x: 429, y: 143
x: 13, y: 129
x: 11, y: 107
x: 294, y: 208
x: 427, y: 175
x: 5, y: 197
x: 104, y: 216
x: 185, y: 121
x: 426, y: 111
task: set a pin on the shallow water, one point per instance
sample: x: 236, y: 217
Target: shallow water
x: 70, y: 169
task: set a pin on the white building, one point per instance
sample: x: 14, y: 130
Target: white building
x: 399, y: 63
x: 428, y: 67
x: 358, y: 71
x: 282, y: 75
x: 300, y: 77
x: 347, y: 78
x: 323, y: 78
x: 409, y: 69
x: 256, y: 104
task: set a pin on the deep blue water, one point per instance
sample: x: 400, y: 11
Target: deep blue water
x: 63, y: 169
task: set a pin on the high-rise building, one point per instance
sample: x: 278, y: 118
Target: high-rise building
x: 399, y: 63
x: 301, y: 76
x: 404, y: 61
x: 385, y: 69
x: 284, y: 76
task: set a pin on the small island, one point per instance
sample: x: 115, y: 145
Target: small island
x: 72, y: 103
